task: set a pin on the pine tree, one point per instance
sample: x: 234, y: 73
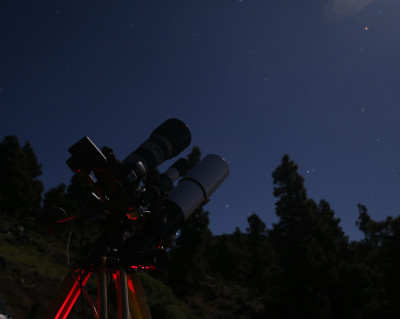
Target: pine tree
x: 194, y: 157
x: 56, y: 197
x: 309, y: 242
x: 78, y: 192
x: 378, y: 254
x: 259, y: 254
x: 189, y: 258
x: 257, y: 228
x: 390, y: 266
x: 70, y: 198
x: 19, y: 187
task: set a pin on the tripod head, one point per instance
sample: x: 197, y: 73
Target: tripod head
x: 139, y: 215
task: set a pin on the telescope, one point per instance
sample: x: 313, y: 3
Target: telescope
x: 139, y: 214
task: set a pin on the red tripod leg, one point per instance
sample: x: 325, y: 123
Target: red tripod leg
x: 122, y: 293
x: 132, y: 301
x: 67, y: 294
x: 137, y: 299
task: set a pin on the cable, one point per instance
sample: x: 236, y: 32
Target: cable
x: 83, y: 229
x: 67, y: 251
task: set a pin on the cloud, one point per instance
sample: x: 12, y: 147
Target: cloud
x: 335, y: 10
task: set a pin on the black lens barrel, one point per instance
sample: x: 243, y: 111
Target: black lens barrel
x: 166, y: 141
x: 176, y: 132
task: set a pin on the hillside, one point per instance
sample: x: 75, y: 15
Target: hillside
x: 32, y: 266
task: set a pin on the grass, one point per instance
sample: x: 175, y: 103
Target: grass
x: 32, y: 252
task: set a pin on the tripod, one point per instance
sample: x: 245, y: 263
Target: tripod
x: 131, y: 298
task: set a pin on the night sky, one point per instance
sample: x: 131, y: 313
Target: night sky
x: 252, y: 79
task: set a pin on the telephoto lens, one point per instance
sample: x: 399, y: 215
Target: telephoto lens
x: 166, y: 141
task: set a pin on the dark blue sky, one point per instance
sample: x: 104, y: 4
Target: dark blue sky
x: 253, y: 80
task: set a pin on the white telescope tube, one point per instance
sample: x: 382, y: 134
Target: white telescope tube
x: 199, y: 184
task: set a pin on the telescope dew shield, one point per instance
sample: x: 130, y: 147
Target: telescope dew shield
x: 166, y: 141
x: 199, y: 184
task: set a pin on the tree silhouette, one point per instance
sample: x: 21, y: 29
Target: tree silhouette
x: 308, y: 242
x: 20, y: 189
x: 70, y: 198
x: 259, y: 254
x: 56, y: 197
x: 379, y: 256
